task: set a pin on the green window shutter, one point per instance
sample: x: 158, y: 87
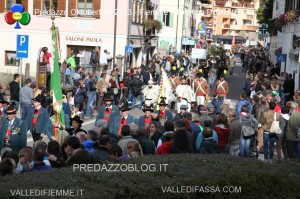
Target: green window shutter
x: 171, y: 20
x: 183, y: 23
x: 160, y: 16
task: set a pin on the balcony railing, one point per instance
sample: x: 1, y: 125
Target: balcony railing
x: 249, y: 16
x: 248, y: 27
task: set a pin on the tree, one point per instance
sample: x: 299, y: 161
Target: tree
x: 265, y: 12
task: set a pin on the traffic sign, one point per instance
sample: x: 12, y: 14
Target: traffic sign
x: 129, y: 49
x: 22, y: 46
x: 281, y: 58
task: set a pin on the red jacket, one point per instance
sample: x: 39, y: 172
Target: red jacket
x: 223, y: 134
x: 164, y: 149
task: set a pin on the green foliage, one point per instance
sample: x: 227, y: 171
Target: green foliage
x: 149, y: 24
x: 264, y: 13
x: 256, y: 179
x: 215, y: 51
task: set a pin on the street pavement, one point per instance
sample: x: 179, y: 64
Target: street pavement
x: 235, y: 82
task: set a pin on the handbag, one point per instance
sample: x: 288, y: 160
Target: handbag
x: 275, y: 128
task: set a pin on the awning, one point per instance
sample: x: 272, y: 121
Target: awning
x: 228, y: 39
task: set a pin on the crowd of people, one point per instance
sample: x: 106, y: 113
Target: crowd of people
x: 193, y: 117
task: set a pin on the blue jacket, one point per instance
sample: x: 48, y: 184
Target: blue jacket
x: 18, y: 137
x: 114, y: 125
x: 115, y: 112
x: 240, y: 104
x: 43, y: 125
x: 67, y: 109
x: 200, y: 139
x: 88, y: 145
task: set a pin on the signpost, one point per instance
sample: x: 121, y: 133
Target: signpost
x: 282, y: 58
x: 22, y: 51
x: 128, y: 51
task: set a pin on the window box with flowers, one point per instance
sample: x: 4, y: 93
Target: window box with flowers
x: 150, y: 24
x: 220, y: 2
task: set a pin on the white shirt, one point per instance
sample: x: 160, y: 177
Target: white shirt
x: 103, y: 58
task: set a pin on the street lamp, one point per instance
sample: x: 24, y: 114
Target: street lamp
x: 115, y: 33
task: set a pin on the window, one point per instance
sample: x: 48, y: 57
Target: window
x: 6, y: 6
x: 235, y: 22
x: 85, y: 7
x: 11, y: 58
x: 166, y: 18
x: 245, y: 12
x: 236, y: 11
x: 50, y: 6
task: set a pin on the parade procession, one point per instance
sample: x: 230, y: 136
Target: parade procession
x: 210, y: 93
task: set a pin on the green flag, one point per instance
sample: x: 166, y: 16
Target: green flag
x: 55, y: 81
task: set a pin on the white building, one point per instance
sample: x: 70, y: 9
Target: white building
x: 83, y: 25
x: 179, y: 23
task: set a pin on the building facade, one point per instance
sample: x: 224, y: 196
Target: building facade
x: 83, y: 25
x: 179, y: 25
x: 232, y: 17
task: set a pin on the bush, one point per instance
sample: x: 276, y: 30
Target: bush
x: 256, y: 179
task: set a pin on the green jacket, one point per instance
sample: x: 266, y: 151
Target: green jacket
x: 293, y: 126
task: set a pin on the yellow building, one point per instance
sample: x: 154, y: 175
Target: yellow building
x: 232, y: 17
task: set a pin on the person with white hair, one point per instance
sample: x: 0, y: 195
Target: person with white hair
x: 292, y: 133
x: 150, y: 94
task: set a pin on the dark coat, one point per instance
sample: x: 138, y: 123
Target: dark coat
x: 147, y: 145
x: 114, y: 125
x: 100, y: 155
x: 209, y: 146
x: 115, y: 111
x: 79, y: 96
x: 14, y: 88
x: 141, y: 121
x: 80, y: 156
x: 72, y: 131
x: 18, y: 137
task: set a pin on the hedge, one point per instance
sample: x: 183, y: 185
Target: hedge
x: 256, y: 179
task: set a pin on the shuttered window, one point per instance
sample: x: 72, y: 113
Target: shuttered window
x: 84, y: 8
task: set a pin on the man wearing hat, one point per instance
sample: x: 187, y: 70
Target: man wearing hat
x: 108, y: 110
x: 39, y: 121
x: 201, y: 89
x: 12, y: 133
x: 121, y: 120
x: 184, y: 95
x: 145, y: 120
x: 182, y: 113
x: 136, y: 85
x: 222, y: 87
x: 75, y: 124
x: 175, y: 81
x: 150, y: 94
x: 163, y: 112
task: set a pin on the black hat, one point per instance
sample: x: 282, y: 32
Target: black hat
x: 38, y: 98
x: 11, y: 109
x: 77, y: 119
x: 162, y: 102
x: 125, y: 107
x: 148, y: 108
x: 108, y: 98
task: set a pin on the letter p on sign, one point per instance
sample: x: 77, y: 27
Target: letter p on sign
x: 22, y: 46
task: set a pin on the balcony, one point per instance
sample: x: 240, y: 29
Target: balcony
x: 208, y: 13
x: 209, y: 25
x: 220, y: 2
x: 237, y: 5
x: 248, y: 5
x: 249, y: 16
x: 248, y: 27
x: 226, y: 26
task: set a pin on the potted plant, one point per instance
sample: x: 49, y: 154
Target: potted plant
x: 280, y: 22
x: 291, y: 16
x: 150, y: 24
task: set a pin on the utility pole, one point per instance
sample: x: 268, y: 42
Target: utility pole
x: 115, y: 34
x: 127, y: 55
x: 177, y: 24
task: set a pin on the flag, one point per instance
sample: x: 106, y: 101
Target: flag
x: 55, y: 81
x: 165, y: 88
x: 233, y: 42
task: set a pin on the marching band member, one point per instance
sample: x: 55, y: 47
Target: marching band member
x: 184, y: 95
x: 150, y: 94
x: 201, y: 88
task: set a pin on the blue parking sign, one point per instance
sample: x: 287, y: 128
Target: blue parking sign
x: 22, y: 46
